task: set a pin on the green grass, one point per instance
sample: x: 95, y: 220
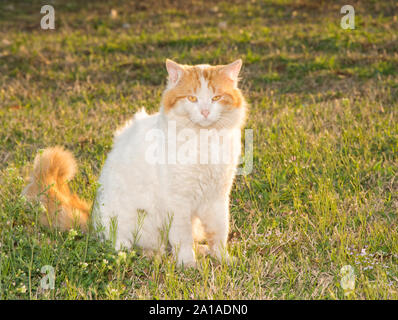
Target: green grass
x: 323, y: 107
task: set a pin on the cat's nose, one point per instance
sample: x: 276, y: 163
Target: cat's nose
x: 205, y: 112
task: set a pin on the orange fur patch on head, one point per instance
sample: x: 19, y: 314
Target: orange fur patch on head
x: 187, y: 85
x: 224, y: 86
x: 218, y: 81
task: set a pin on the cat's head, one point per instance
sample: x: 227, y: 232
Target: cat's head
x: 204, y: 95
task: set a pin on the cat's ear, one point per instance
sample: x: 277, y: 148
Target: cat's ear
x: 232, y: 70
x: 174, y: 70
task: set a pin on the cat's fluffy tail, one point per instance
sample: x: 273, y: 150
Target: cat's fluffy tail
x: 49, y: 184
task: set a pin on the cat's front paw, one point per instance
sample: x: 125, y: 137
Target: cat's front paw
x: 188, y: 264
x: 187, y: 261
x: 185, y: 257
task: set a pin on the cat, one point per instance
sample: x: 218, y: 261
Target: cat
x: 150, y: 193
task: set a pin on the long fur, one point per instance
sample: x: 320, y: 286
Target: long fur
x: 138, y: 201
x: 49, y: 184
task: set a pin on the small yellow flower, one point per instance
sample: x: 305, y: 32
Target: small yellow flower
x: 72, y: 234
x: 122, y: 256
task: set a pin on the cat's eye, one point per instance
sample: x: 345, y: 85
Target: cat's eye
x: 192, y: 98
x: 216, y: 98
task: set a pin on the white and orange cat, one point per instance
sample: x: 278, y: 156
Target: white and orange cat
x: 174, y: 199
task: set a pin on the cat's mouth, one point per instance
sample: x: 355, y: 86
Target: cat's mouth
x: 204, y: 122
